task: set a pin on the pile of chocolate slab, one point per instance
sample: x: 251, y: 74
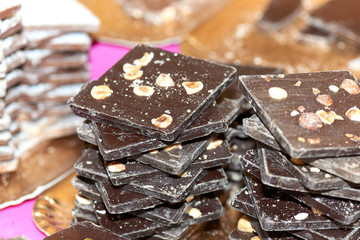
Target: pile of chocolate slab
x: 156, y: 153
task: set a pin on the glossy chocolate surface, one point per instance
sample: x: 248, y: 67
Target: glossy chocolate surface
x: 115, y: 143
x: 302, y: 88
x: 84, y: 230
x: 128, y: 111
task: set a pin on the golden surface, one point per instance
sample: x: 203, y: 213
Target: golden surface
x: 52, y: 209
x: 50, y: 160
x: 232, y: 36
x: 117, y: 27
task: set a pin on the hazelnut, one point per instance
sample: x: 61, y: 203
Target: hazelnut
x: 310, y: 121
x: 164, y: 80
x: 189, y: 198
x: 154, y: 151
x: 266, y: 78
x: 325, y: 117
x: 145, y: 59
x: 195, y: 213
x: 131, y: 68
x: 277, y: 93
x: 313, y: 140
x: 297, y: 84
x: 115, y: 167
x: 350, y: 86
x: 244, y: 225
x: 193, y: 87
x: 172, y: 147
x: 301, y: 108
x: 255, y: 238
x: 324, y: 99
x: 143, y: 91
x: 214, y: 144
x: 163, y: 121
x: 353, y: 114
x: 334, y: 88
x: 82, y: 200
x: 301, y: 216
x: 315, y: 91
x: 297, y: 161
x: 301, y: 139
x: 101, y: 92
x: 129, y: 76
x: 316, y: 211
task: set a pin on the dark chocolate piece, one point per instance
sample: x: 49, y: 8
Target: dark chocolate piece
x: 342, y: 211
x: 146, y: 115
x: 212, y: 180
x: 85, y: 133
x: 329, y: 234
x: 343, y: 24
x: 174, y: 159
x: 255, y: 129
x: 243, y: 203
x: 82, y: 215
x: 115, y: 143
x: 167, y: 188
x: 277, y: 211
x: 343, y: 167
x: 167, y: 214
x: 90, y: 166
x: 236, y: 234
x: 311, y: 177
x: 292, y: 119
x: 125, y: 225
x: 118, y: 200
x: 86, y: 187
x: 277, y: 176
x: 84, y: 230
x: 279, y: 14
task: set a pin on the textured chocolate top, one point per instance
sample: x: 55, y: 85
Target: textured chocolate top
x: 84, y: 230
x: 126, y: 107
x: 294, y: 119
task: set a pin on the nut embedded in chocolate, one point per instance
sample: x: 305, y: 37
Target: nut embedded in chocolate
x: 115, y: 167
x: 137, y: 75
x: 193, y: 87
x: 244, y: 225
x: 324, y: 99
x: 163, y: 121
x: 195, y: 213
x: 143, y: 91
x: 353, y: 114
x: 145, y: 59
x: 164, y: 80
x: 214, y: 144
x: 325, y: 117
x: 350, y: 86
x: 131, y: 68
x: 277, y: 93
x: 310, y: 121
x: 101, y: 92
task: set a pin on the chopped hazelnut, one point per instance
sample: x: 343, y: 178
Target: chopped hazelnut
x: 353, y: 114
x: 195, y: 213
x: 301, y: 139
x: 137, y: 75
x: 115, y: 167
x: 143, y: 91
x: 310, y: 121
x: 325, y: 117
x: 324, y: 99
x: 172, y: 147
x: 131, y: 69
x: 316, y: 91
x: 313, y: 140
x: 164, y: 80
x: 101, y: 92
x: 244, y: 225
x: 193, y: 87
x: 277, y: 93
x: 350, y: 86
x: 145, y: 59
x: 316, y: 211
x: 163, y: 121
x: 297, y: 161
x: 214, y: 144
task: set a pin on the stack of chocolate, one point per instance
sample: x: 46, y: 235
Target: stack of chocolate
x: 302, y: 179
x: 56, y: 67
x: 156, y: 153
x: 12, y: 58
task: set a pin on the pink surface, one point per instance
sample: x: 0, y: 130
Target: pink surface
x: 17, y: 220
